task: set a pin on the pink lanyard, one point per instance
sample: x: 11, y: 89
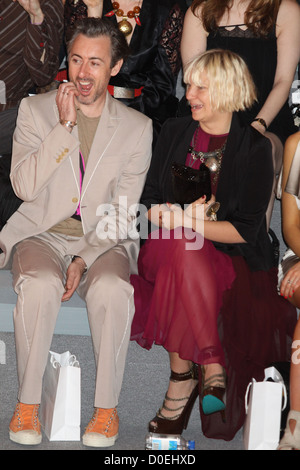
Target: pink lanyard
x: 81, y: 175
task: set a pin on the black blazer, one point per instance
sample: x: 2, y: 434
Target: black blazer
x: 244, y: 187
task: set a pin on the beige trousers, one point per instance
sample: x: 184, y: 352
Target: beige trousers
x: 39, y: 267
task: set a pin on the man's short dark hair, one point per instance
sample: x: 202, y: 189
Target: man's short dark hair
x: 97, y: 27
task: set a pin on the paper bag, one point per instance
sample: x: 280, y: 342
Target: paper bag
x: 61, y: 398
x: 266, y: 401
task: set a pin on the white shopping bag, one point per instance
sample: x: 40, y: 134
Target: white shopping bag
x: 61, y: 398
x: 266, y: 401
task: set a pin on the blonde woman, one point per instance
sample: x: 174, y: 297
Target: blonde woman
x: 213, y: 304
x: 267, y: 36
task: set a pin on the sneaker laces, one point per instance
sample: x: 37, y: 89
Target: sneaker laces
x: 102, y: 419
x: 27, y: 416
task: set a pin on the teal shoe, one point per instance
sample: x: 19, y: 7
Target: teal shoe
x: 212, y: 404
x: 213, y: 393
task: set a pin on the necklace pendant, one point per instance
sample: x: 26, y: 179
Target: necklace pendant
x: 110, y: 13
x: 125, y: 27
x: 213, y: 164
x: 137, y: 20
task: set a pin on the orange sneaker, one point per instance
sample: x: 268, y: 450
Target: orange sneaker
x: 25, y: 427
x: 102, y: 430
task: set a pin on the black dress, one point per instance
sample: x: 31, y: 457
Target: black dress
x: 260, y: 54
x: 154, y: 60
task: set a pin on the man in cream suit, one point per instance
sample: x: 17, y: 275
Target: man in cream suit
x: 79, y: 164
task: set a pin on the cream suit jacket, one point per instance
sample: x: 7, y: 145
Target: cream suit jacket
x: 45, y: 174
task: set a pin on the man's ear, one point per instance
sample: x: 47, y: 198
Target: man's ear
x: 116, y: 69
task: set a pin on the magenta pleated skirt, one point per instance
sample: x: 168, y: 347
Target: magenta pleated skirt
x: 209, y: 307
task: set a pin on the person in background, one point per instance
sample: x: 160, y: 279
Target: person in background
x: 208, y: 295
x: 147, y: 80
x: 267, y: 36
x: 31, y: 33
x: 289, y: 277
x: 77, y: 153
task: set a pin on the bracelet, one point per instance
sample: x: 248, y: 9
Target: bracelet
x: 69, y: 124
x: 262, y: 122
x: 73, y: 259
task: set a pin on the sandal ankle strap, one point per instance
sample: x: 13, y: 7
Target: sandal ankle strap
x: 216, y: 380
x: 180, y: 377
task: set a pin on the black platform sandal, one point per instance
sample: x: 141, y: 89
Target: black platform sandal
x: 176, y: 424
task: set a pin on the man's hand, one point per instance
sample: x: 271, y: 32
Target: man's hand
x: 34, y: 10
x: 65, y: 101
x: 74, y: 275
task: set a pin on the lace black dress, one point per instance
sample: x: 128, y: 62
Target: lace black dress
x: 260, y: 54
x: 154, y: 61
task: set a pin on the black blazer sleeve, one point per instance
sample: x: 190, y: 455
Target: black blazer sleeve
x: 244, y: 191
x: 253, y: 187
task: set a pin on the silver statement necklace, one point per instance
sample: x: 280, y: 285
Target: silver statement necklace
x: 211, y: 159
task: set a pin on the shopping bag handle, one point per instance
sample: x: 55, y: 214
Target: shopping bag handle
x: 247, y: 393
x: 274, y: 374
x: 270, y: 373
x: 72, y: 361
x: 54, y: 362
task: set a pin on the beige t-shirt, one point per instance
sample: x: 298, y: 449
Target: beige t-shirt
x: 86, y: 131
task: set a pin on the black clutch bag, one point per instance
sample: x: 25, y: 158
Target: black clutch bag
x: 190, y: 184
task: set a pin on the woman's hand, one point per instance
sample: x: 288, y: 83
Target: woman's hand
x: 291, y: 282
x: 198, y: 208
x: 174, y: 217
x: 177, y: 217
x: 258, y: 126
x: 95, y: 8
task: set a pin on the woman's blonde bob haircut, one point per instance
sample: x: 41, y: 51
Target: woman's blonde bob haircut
x: 231, y: 87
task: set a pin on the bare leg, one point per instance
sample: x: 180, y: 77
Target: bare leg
x: 178, y: 389
x: 295, y: 365
x: 291, y: 437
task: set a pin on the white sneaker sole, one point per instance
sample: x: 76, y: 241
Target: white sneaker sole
x: 29, y: 438
x: 94, y: 439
